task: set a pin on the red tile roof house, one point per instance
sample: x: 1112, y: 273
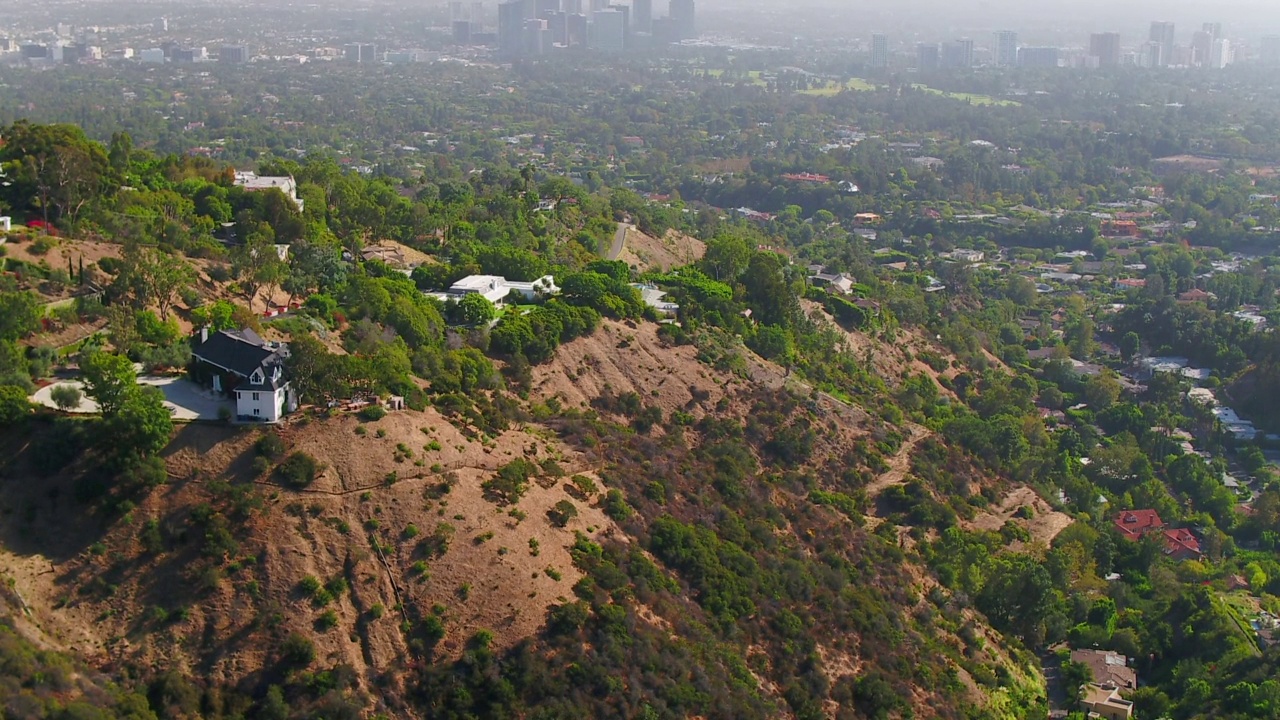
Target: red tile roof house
x: 1179, y: 544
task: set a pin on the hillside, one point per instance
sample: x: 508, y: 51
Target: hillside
x: 397, y: 554
x: 674, y: 249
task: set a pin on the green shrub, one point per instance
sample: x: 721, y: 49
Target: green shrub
x: 373, y: 413
x: 297, y: 650
x: 270, y: 446
x: 298, y: 470
x: 562, y: 513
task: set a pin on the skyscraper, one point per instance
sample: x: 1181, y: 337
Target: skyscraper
x: 1269, y: 51
x: 1038, y: 57
x: 684, y: 19
x: 1105, y: 47
x: 927, y: 56
x: 610, y: 31
x: 1006, y: 48
x: 1162, y: 33
x: 511, y: 17
x: 1201, y: 47
x: 1220, y: 56
x: 642, y: 16
x: 477, y: 17
x: 958, y: 54
x: 879, y: 50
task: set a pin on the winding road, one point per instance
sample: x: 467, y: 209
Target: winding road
x: 619, y: 240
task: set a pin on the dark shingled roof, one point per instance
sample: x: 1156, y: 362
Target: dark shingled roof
x: 237, y: 351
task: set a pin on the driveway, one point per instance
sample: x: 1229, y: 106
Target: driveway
x: 185, y: 399
x: 619, y: 241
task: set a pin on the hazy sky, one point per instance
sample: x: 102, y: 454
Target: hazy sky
x: 1239, y: 17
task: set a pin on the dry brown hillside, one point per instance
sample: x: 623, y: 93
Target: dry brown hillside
x: 403, y: 546
x: 674, y: 249
x: 367, y: 519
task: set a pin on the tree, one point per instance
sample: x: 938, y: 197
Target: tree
x: 773, y: 343
x: 1017, y: 596
x: 475, y: 309
x: 1079, y: 337
x: 141, y: 426
x: 1130, y: 346
x: 66, y: 397
x: 770, y: 297
x: 108, y: 379
x: 14, y: 406
x: 727, y: 257
x: 19, y: 315
x: 256, y: 264
x: 1101, y: 390
x: 154, y: 278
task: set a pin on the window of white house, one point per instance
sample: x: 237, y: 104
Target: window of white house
x: 256, y: 412
x: 255, y: 397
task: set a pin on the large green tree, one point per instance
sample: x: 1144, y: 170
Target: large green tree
x: 108, y: 379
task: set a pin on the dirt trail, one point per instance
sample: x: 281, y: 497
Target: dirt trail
x: 1044, y: 525
x: 899, y: 464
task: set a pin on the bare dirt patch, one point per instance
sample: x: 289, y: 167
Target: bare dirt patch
x: 1044, y: 525
x: 621, y: 359
x: 674, y: 249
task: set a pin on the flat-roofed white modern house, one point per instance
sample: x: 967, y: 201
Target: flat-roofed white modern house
x: 497, y: 289
x: 286, y: 184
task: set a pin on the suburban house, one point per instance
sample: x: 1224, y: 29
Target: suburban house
x: 1196, y: 295
x: 653, y: 297
x: 839, y: 282
x: 1108, y: 668
x: 495, y: 288
x: 253, y: 183
x: 1104, y: 701
x: 1134, y: 524
x: 1179, y: 544
x: 241, y: 365
x: 965, y: 256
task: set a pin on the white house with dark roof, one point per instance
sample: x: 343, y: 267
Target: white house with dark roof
x: 240, y: 364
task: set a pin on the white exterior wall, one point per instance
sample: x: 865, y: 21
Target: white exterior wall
x: 269, y: 407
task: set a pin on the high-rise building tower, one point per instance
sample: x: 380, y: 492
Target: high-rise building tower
x: 1220, y: 55
x: 511, y: 39
x: 610, y: 31
x: 1269, y: 51
x: 1162, y: 33
x: 927, y: 56
x: 233, y: 54
x: 1201, y: 47
x: 879, y: 50
x: 958, y: 54
x: 1106, y: 48
x: 1006, y: 48
x: 1038, y: 57
x: 684, y: 18
x: 642, y: 16
x: 477, y: 17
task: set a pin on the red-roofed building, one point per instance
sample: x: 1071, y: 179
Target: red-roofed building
x: 1133, y: 524
x: 1120, y: 228
x: 1180, y: 544
x: 1196, y: 295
